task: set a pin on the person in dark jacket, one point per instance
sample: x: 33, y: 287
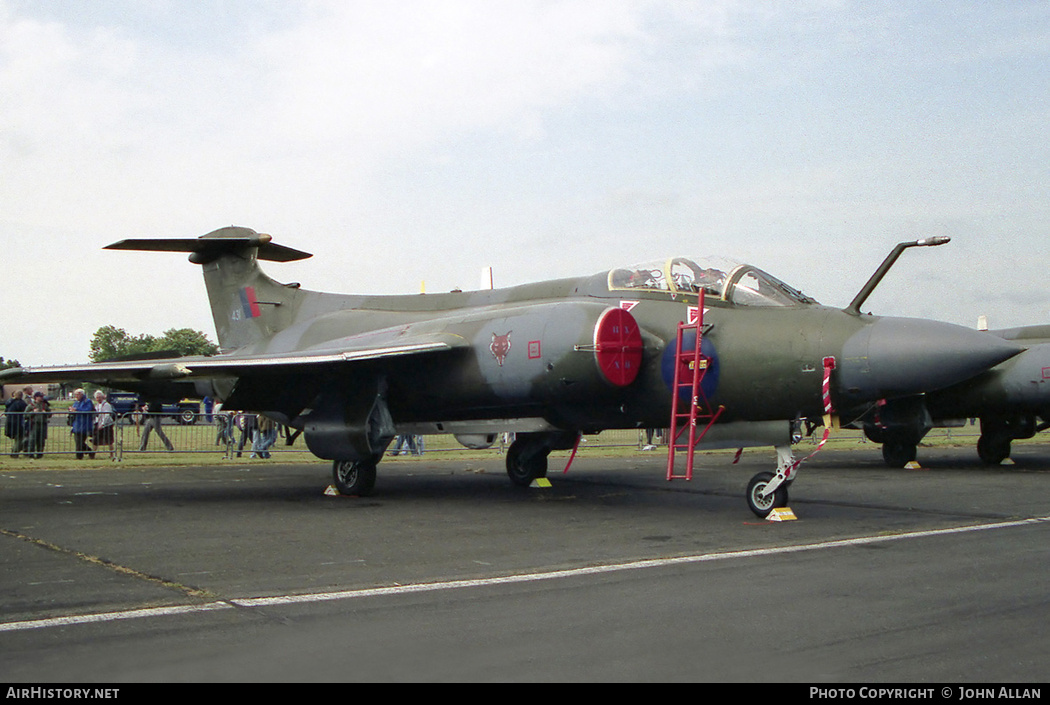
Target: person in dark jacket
x: 15, y: 422
x: 38, y: 415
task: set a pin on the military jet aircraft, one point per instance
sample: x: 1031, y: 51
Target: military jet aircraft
x: 1012, y: 400
x: 548, y: 361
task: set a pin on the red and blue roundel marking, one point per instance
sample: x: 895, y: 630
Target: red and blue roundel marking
x: 618, y: 346
x: 709, y: 382
x: 249, y: 304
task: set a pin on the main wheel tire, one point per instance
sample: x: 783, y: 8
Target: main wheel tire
x: 763, y: 506
x: 897, y: 454
x: 525, y: 463
x: 874, y: 434
x: 354, y: 477
x: 993, y: 450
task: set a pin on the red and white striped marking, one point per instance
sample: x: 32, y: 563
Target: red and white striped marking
x: 829, y: 365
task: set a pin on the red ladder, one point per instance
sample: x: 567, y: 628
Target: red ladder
x: 689, y: 369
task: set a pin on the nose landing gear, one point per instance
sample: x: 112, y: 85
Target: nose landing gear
x: 768, y: 491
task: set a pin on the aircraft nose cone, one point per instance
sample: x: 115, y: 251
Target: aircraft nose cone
x: 895, y: 357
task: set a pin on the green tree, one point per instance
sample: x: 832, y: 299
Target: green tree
x: 186, y: 341
x: 4, y: 364
x: 110, y: 342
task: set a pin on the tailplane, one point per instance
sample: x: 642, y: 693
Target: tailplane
x: 247, y: 305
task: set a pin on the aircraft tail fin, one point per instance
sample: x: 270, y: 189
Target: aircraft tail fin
x: 207, y: 248
x: 246, y: 304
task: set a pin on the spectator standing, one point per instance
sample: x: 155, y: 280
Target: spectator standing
x: 38, y: 415
x: 82, y: 423
x: 105, y: 421
x: 15, y: 422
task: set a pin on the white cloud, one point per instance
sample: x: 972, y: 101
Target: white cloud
x: 380, y: 77
x: 101, y: 113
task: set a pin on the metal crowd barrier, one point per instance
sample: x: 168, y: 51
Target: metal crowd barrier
x: 231, y: 435
x: 234, y: 435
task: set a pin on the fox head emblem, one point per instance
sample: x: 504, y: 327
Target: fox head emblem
x: 500, y: 347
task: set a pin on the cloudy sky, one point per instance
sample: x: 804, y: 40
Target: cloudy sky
x: 420, y: 140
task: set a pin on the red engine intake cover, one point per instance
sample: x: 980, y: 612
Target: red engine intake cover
x: 618, y: 346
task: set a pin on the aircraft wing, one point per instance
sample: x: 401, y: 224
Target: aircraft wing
x: 1025, y: 335
x: 232, y: 365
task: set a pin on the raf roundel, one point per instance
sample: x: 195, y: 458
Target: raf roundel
x: 618, y: 346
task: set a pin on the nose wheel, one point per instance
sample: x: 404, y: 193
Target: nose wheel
x: 763, y: 504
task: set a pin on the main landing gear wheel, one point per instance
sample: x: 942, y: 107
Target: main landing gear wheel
x: 763, y: 506
x: 526, y: 462
x: 897, y: 453
x: 354, y: 477
x: 993, y: 449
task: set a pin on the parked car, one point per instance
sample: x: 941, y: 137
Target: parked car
x: 186, y: 411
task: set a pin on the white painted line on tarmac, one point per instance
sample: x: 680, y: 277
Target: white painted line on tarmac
x: 615, y: 567
x: 112, y: 616
x: 254, y: 602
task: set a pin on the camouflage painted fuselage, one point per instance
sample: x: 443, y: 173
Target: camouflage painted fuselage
x: 525, y: 358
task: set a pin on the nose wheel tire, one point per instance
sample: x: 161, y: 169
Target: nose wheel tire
x: 763, y: 506
x: 354, y: 477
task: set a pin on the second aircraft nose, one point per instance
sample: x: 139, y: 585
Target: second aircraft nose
x: 896, y: 357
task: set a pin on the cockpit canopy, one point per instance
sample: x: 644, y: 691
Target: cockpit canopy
x: 720, y: 278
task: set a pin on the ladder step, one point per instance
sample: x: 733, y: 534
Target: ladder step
x: 690, y: 366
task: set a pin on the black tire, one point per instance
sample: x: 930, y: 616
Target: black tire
x: 763, y: 507
x: 526, y: 462
x: 874, y: 433
x: 897, y: 454
x: 993, y: 450
x: 355, y: 478
x: 187, y: 417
